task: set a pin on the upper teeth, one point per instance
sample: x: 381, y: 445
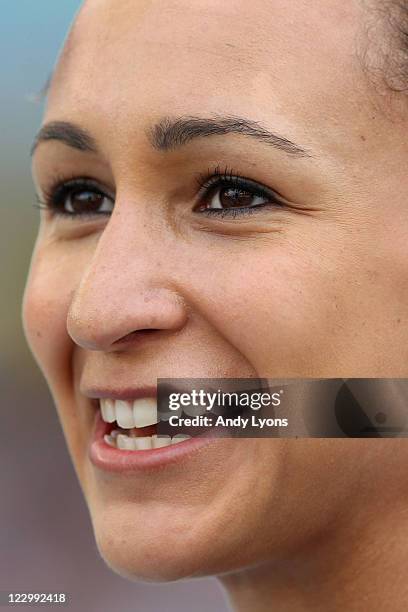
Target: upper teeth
x: 137, y: 413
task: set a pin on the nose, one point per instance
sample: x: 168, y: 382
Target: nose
x: 125, y: 290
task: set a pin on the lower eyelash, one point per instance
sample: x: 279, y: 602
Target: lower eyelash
x: 232, y: 212
x: 39, y: 203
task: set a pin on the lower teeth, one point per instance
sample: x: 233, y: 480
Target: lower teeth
x: 125, y: 442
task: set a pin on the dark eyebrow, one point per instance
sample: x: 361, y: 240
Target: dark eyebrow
x: 68, y: 133
x: 171, y: 133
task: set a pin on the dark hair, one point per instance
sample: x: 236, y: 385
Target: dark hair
x: 397, y: 68
x: 387, y: 37
x: 383, y: 54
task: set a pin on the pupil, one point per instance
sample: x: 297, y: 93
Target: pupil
x: 232, y: 196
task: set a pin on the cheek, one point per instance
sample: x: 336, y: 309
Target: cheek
x: 46, y: 301
x: 276, y: 311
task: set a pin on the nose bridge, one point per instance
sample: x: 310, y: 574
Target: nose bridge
x: 125, y: 288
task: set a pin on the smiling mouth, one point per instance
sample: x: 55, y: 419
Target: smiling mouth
x: 133, y: 425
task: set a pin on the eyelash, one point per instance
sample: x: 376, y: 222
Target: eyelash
x: 209, y: 183
x: 215, y: 180
x: 55, y: 195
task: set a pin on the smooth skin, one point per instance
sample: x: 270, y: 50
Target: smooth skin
x: 312, y: 286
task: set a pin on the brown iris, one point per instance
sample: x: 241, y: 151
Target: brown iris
x: 85, y: 201
x: 235, y: 197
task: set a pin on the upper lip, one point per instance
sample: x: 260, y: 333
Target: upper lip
x: 124, y: 393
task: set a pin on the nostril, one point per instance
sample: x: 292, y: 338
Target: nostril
x: 139, y: 333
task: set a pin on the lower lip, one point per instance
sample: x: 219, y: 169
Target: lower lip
x: 111, y: 459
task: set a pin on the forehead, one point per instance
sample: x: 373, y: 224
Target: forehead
x: 147, y: 57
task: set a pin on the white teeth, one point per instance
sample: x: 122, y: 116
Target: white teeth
x: 145, y: 412
x: 124, y: 414
x: 124, y: 442
x: 179, y: 438
x: 139, y: 413
x: 107, y: 410
x: 132, y: 444
x: 143, y: 443
x: 127, y: 443
x: 160, y: 441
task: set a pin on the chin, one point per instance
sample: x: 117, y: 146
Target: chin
x: 159, y: 556
x: 143, y: 545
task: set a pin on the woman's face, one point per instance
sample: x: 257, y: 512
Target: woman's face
x: 297, y: 271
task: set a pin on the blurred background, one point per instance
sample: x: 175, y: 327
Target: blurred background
x: 46, y: 541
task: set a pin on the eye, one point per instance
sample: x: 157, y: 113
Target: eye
x: 232, y: 195
x: 79, y: 201
x: 78, y: 197
x: 224, y: 197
